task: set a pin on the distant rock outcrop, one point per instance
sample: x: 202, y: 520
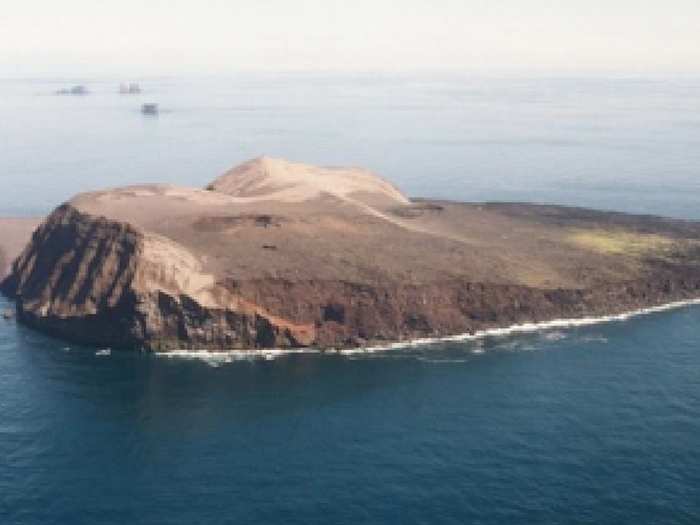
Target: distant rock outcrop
x: 75, y: 90
x: 279, y: 254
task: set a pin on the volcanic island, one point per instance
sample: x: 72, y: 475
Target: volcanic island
x: 277, y: 254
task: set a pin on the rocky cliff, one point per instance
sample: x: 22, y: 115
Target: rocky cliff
x: 277, y: 254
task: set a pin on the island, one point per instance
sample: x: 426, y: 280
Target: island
x: 277, y: 254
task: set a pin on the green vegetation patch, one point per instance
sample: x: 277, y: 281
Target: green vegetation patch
x: 620, y: 242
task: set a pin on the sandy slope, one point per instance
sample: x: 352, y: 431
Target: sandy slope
x: 280, y: 180
x: 14, y: 235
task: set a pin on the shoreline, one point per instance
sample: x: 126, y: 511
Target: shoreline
x: 227, y: 356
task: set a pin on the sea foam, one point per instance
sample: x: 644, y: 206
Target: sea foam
x: 216, y: 358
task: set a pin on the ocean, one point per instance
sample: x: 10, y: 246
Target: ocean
x: 594, y: 424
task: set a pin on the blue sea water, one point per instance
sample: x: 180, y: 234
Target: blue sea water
x: 594, y: 425
x: 623, y: 143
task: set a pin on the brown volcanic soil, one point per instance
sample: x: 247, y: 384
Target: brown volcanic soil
x: 283, y: 254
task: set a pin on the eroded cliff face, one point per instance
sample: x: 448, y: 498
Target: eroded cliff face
x: 73, y: 278
x: 349, y: 314
x: 96, y: 281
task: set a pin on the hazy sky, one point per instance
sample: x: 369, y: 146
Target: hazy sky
x: 219, y: 36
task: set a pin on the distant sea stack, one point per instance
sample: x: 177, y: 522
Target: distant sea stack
x: 281, y: 254
x: 129, y: 89
x: 75, y: 90
x: 149, y: 108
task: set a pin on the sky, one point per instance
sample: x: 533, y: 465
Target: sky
x: 220, y: 36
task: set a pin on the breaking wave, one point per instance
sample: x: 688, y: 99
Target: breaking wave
x: 217, y: 358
